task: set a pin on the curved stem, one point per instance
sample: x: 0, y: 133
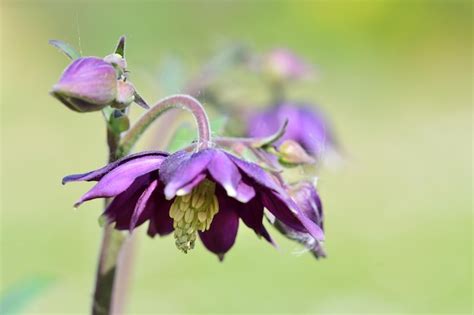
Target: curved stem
x: 174, y: 101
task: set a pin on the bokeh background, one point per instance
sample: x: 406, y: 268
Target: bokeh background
x: 396, y: 82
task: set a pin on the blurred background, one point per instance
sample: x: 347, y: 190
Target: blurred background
x: 395, y: 79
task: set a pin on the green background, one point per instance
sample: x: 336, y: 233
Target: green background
x: 395, y: 79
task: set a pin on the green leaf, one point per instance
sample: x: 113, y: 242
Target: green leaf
x: 65, y: 48
x: 17, y: 298
x: 121, y: 46
x: 268, y: 141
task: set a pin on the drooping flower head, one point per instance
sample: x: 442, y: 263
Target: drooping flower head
x: 306, y: 126
x: 193, y: 193
x: 307, y: 198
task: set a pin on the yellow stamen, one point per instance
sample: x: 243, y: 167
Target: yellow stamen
x: 193, y: 212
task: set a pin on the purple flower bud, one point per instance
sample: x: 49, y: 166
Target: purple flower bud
x: 306, y: 126
x: 88, y: 84
x: 291, y: 153
x: 281, y: 64
x: 306, y: 197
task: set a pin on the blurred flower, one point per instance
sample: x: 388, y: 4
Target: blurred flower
x: 203, y: 193
x: 88, y: 84
x: 306, y: 197
x: 281, y: 65
x: 306, y: 127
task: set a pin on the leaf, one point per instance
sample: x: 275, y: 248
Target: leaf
x: 19, y: 296
x: 121, y: 46
x: 65, y: 48
x: 268, y: 141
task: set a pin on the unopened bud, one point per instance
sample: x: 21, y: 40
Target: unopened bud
x: 282, y: 65
x: 88, y: 84
x: 291, y: 153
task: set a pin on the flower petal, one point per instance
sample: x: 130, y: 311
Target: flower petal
x: 251, y: 214
x: 256, y: 173
x: 244, y: 192
x: 224, y: 172
x: 223, y: 231
x: 89, y: 78
x: 160, y: 220
x: 289, y: 213
x: 121, y: 177
x: 120, y: 209
x: 101, y: 172
x: 189, y: 186
x: 141, y: 204
x: 181, y: 168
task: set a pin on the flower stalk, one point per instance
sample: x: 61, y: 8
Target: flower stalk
x: 111, y: 244
x: 174, y: 101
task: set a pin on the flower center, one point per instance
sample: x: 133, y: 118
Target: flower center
x: 193, y: 212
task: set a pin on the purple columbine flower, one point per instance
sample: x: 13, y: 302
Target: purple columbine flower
x: 306, y: 196
x: 306, y: 126
x: 202, y: 193
x: 88, y: 84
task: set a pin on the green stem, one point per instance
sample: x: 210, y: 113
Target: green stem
x: 111, y: 244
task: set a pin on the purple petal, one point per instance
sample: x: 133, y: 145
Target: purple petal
x: 90, y: 79
x: 244, y: 192
x: 141, y: 204
x: 256, y: 173
x: 224, y: 172
x: 121, y: 177
x: 223, y: 231
x: 186, y: 189
x: 98, y: 174
x: 289, y: 213
x: 251, y: 214
x: 121, y: 208
x: 314, y: 138
x: 160, y: 220
x: 277, y: 201
x: 181, y: 168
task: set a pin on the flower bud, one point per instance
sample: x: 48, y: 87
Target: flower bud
x: 282, y: 65
x: 88, y: 84
x: 291, y: 153
x: 306, y: 197
x: 125, y: 94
